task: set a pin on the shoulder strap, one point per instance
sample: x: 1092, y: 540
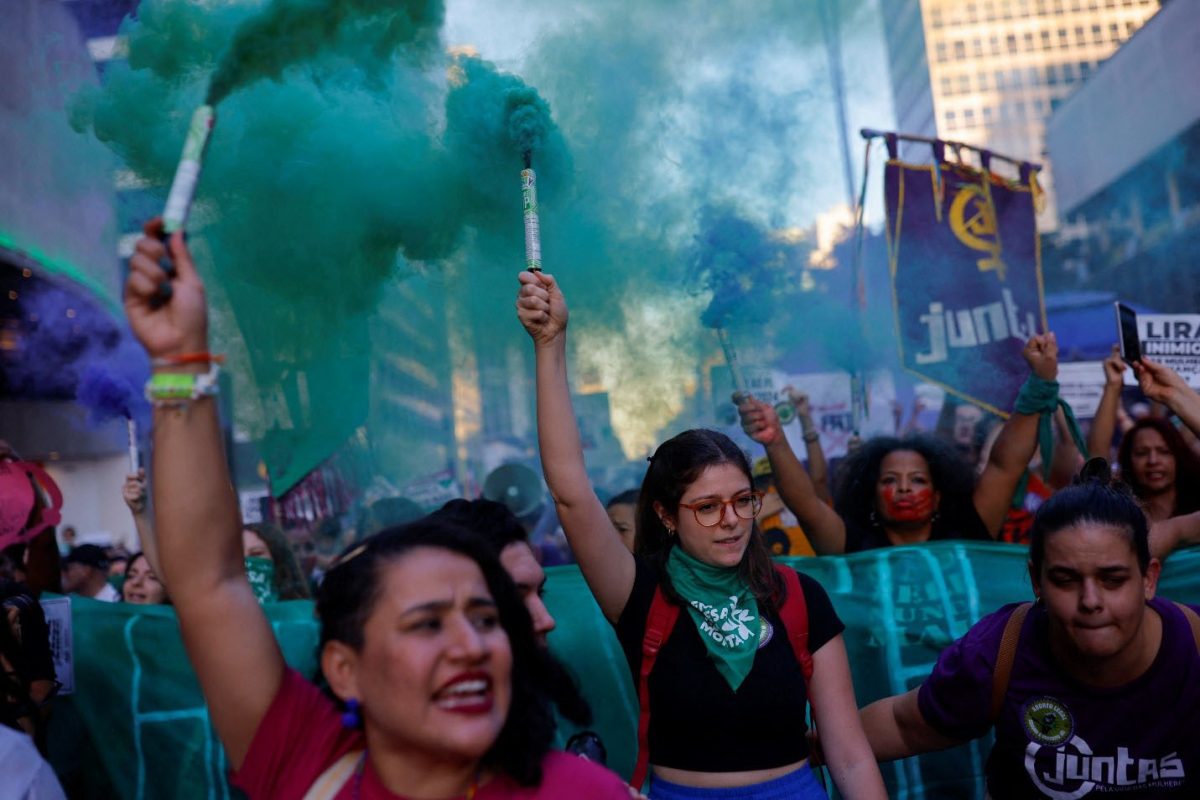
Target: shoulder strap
x: 1193, y: 621
x: 331, y: 781
x: 659, y: 624
x: 1005, y: 657
x: 794, y: 613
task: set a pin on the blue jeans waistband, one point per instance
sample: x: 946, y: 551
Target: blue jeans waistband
x: 801, y: 784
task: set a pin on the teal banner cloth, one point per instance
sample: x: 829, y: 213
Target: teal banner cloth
x: 137, y: 722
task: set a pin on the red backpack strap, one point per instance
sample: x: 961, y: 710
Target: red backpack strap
x: 659, y: 624
x: 794, y: 613
x: 1005, y: 657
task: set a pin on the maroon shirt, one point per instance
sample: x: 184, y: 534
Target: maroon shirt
x: 301, y: 736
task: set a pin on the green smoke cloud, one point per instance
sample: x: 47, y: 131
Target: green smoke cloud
x: 369, y: 155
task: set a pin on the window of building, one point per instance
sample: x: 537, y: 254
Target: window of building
x: 982, y: 80
x: 951, y: 121
x: 987, y: 115
x: 1045, y: 40
x: 1014, y: 79
x: 1097, y: 35
x: 960, y: 50
x: 1052, y: 75
x: 972, y: 16
x: 1028, y: 40
x: 1010, y: 42
x: 1019, y: 109
x: 935, y: 18
x: 1079, y: 34
x: 964, y: 84
x: 1114, y: 32
x: 994, y: 45
x: 946, y: 88
x: 1062, y: 38
x: 1001, y: 79
x: 969, y: 118
x: 941, y: 52
x: 989, y: 11
x: 1085, y: 70
x: 1069, y: 75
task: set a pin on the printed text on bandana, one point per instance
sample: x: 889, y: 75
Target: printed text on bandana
x: 728, y: 626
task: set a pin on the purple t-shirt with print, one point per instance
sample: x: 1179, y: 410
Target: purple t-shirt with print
x: 1061, y: 739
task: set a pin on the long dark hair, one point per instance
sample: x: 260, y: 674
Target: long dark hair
x: 676, y: 464
x: 351, y: 589
x: 166, y: 601
x: 1187, y: 465
x: 1097, y: 498
x: 289, y: 578
x: 953, y: 478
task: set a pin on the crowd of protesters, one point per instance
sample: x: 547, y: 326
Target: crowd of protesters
x: 436, y: 680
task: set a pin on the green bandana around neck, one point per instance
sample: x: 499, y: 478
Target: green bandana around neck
x: 261, y: 572
x: 725, y: 612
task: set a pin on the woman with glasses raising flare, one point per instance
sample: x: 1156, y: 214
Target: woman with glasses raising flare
x: 727, y: 691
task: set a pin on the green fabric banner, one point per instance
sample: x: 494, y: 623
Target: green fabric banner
x: 138, y: 701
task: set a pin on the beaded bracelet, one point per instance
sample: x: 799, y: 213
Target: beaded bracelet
x: 187, y: 358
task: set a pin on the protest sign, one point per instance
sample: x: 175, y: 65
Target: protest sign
x: 1081, y: 385
x: 1172, y: 340
x: 829, y: 395
x: 965, y: 268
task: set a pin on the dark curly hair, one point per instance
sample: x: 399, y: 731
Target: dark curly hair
x: 1187, y: 465
x: 676, y: 464
x: 953, y: 479
x: 1096, y: 498
x: 351, y: 590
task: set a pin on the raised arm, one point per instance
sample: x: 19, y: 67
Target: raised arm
x: 818, y: 468
x: 606, y: 565
x: 1100, y: 437
x: 896, y: 728
x: 196, y: 518
x: 823, y: 527
x: 133, y: 492
x: 1015, y: 446
x: 1163, y: 385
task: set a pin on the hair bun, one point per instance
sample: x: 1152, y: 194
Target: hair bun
x: 1096, y: 470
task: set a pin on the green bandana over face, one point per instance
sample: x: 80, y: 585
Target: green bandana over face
x: 261, y: 572
x: 725, y: 612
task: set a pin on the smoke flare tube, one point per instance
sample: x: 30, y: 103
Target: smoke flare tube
x: 533, y: 235
x: 735, y: 366
x: 187, y: 174
x: 131, y: 426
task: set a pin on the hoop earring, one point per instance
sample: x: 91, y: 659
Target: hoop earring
x: 874, y: 519
x: 350, y: 717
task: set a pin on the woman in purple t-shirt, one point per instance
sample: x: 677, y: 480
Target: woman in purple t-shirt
x: 1103, y: 692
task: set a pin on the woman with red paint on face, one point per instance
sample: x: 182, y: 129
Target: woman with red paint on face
x: 894, y: 491
x: 436, y: 682
x: 1101, y: 692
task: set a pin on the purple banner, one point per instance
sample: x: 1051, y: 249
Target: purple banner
x: 966, y: 275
